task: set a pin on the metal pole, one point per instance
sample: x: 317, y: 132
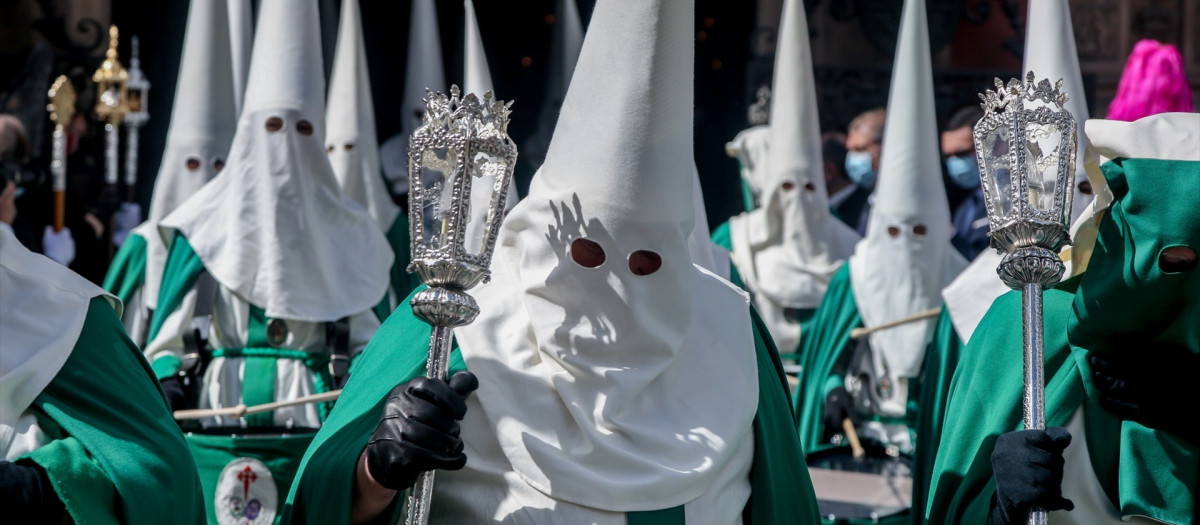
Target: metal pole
x: 437, y: 367
x: 58, y: 170
x: 131, y: 159
x: 112, y: 142
x: 1034, y: 395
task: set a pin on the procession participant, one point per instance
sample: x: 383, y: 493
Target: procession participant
x: 72, y: 447
x: 617, y: 381
x: 787, y: 251
x: 1121, y: 343
x: 749, y: 147
x: 969, y: 216
x: 422, y: 71
x: 284, y: 267
x: 895, y: 274
x: 354, y: 152
x: 1154, y: 80
x: 203, y: 121
x: 1050, y: 52
x: 846, y: 199
x: 864, y: 143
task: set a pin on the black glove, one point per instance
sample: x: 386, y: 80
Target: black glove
x: 26, y: 494
x: 1028, y: 467
x: 838, y: 406
x: 419, y: 430
x: 1147, y: 387
x: 176, y: 396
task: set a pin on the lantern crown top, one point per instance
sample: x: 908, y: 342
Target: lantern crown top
x: 1015, y: 93
x: 111, y: 69
x: 475, y: 118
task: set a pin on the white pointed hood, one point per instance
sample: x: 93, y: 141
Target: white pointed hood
x: 350, y: 140
x: 241, y: 35
x: 32, y: 351
x: 477, y: 79
x: 423, y: 71
x: 273, y: 227
x: 788, y: 249
x: 603, y: 355
x: 750, y: 147
x: 203, y: 121
x: 705, y: 253
x: 898, y: 276
x: 564, y: 53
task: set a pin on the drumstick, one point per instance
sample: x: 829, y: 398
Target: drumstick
x: 861, y: 332
x: 243, y: 410
x: 852, y: 436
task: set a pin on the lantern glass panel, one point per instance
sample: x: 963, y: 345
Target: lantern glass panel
x: 487, y: 178
x: 437, y: 179
x: 997, y: 158
x: 1042, y: 153
x: 135, y: 100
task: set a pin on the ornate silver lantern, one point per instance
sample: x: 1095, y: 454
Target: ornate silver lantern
x: 1025, y: 144
x: 459, y: 156
x: 137, y: 94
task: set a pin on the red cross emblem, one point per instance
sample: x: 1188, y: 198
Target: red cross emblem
x: 246, y: 476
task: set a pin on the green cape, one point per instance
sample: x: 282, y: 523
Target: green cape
x: 403, y: 283
x: 782, y: 491
x: 128, y: 269
x: 119, y: 456
x: 941, y: 358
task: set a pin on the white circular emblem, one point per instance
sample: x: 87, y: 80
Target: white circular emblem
x: 246, y: 494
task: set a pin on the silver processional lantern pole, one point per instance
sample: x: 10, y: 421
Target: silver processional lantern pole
x: 462, y: 147
x: 137, y: 96
x: 1025, y: 144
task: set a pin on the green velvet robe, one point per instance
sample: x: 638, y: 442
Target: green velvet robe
x: 127, y: 272
x: 117, y: 455
x: 322, y: 494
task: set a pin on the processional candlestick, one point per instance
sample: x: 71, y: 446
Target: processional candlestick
x: 460, y: 141
x: 137, y: 96
x: 62, y: 110
x: 1025, y: 144
x: 111, y: 103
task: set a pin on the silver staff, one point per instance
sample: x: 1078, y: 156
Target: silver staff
x: 62, y: 110
x: 137, y: 96
x: 459, y: 141
x: 1025, y: 144
x: 111, y: 106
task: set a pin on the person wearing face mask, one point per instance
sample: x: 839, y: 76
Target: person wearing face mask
x: 608, y: 378
x: 270, y: 281
x: 1122, y: 350
x: 958, y: 148
x: 864, y: 142
x: 203, y: 120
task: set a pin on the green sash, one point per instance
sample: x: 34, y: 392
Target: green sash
x: 322, y: 494
x: 125, y: 460
x: 128, y: 269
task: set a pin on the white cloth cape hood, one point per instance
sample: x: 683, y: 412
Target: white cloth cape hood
x: 787, y: 250
x: 895, y: 277
x: 350, y: 139
x: 616, y: 372
x: 273, y: 227
x: 41, y: 316
x: 203, y: 120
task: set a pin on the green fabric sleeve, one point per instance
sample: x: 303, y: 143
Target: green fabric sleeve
x: 83, y: 487
x: 105, y: 397
x: 940, y: 360
x: 822, y: 348
x: 179, y: 276
x: 128, y: 269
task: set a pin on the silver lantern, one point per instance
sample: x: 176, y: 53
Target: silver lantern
x: 460, y: 156
x: 1025, y: 144
x: 137, y: 94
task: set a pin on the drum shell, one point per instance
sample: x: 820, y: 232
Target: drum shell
x: 827, y: 462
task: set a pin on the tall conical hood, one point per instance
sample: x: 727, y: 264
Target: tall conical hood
x: 423, y: 71
x: 278, y: 197
x: 788, y: 249
x: 203, y: 121
x: 564, y: 53
x: 241, y: 34
x: 350, y: 139
x: 1050, y: 53
x: 477, y: 78
x: 906, y: 259
x: 595, y: 305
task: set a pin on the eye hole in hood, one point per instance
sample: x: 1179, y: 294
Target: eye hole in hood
x: 587, y: 254
x: 1177, y: 259
x: 644, y: 262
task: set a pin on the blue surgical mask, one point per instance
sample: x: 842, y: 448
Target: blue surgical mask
x: 858, y: 168
x: 963, y: 171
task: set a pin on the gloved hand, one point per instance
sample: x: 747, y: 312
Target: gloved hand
x: 1028, y: 467
x: 838, y: 406
x: 176, y: 396
x: 419, y: 430
x: 58, y: 246
x: 125, y: 219
x: 26, y: 494
x: 1146, y: 387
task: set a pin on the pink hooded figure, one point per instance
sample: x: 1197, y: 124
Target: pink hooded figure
x: 1153, y: 82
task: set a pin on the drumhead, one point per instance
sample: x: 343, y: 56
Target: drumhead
x: 867, y: 490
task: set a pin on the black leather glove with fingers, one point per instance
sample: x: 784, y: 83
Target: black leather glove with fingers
x: 838, y: 407
x: 419, y: 430
x: 26, y: 495
x: 1148, y: 387
x: 1028, y: 468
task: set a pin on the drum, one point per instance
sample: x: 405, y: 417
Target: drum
x: 874, y: 489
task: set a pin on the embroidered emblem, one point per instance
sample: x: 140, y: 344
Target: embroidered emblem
x: 277, y: 331
x: 246, y: 494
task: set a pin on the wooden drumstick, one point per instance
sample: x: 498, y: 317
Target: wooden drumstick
x: 861, y: 332
x: 243, y: 410
x: 852, y: 436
